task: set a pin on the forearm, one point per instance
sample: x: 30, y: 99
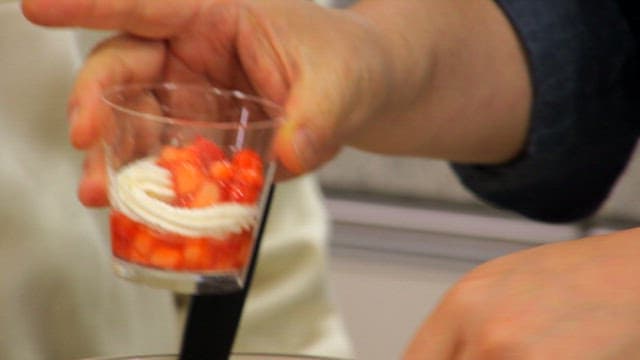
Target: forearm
x: 458, y: 84
x: 584, y: 118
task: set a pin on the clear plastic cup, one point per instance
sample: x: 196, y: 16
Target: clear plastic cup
x: 189, y: 169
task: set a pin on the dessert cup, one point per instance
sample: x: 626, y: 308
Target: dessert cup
x: 189, y: 168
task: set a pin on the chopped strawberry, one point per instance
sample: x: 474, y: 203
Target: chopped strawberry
x: 240, y: 245
x: 143, y: 242
x: 187, y: 177
x: 208, y: 194
x: 197, y: 254
x: 170, y: 156
x: 243, y: 194
x: 247, y: 159
x: 249, y: 177
x: 224, y: 257
x: 207, y: 150
x: 138, y: 258
x: 221, y: 170
x: 121, y: 226
x: 166, y: 257
x: 122, y: 230
x: 119, y: 245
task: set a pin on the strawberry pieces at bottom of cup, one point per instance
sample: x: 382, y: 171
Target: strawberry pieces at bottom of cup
x: 138, y: 243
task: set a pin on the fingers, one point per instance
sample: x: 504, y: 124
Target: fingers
x: 119, y: 60
x: 140, y: 17
x: 308, y: 138
x: 92, y: 190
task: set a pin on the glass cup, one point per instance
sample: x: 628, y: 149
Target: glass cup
x: 189, y: 170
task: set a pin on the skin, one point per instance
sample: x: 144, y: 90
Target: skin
x: 405, y: 95
x: 440, y: 79
x: 578, y: 299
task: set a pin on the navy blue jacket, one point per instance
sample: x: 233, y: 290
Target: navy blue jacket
x: 583, y: 58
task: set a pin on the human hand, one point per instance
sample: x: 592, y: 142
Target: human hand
x: 571, y: 300
x: 294, y: 53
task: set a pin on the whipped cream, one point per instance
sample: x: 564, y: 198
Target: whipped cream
x: 143, y: 191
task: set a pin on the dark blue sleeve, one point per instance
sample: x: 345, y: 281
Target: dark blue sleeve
x: 584, y: 125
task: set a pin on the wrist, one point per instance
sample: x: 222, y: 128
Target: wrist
x: 457, y: 80
x: 405, y: 61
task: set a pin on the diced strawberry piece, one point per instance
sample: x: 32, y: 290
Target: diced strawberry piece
x: 241, y: 245
x: 243, y: 194
x: 249, y: 177
x: 122, y: 230
x: 187, y: 177
x: 208, y: 194
x: 197, y: 255
x: 171, y: 156
x: 221, y: 170
x: 143, y: 242
x: 224, y: 256
x: 137, y: 258
x: 166, y: 257
x: 247, y: 159
x: 122, y: 226
x: 207, y: 150
x: 119, y: 246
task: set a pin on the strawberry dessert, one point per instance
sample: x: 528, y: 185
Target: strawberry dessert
x: 190, y: 209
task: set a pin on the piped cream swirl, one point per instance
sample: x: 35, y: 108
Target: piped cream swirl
x: 143, y: 191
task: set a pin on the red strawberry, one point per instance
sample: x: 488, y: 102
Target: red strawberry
x: 224, y: 257
x: 241, y: 193
x: 187, y: 177
x: 241, y: 245
x: 170, y: 156
x: 166, y: 257
x: 206, y: 149
x: 143, y: 242
x: 249, y: 177
x: 122, y: 230
x: 221, y: 170
x: 197, y: 254
x: 247, y: 159
x: 121, y: 226
x: 208, y: 194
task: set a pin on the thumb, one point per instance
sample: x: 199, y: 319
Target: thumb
x: 307, y: 139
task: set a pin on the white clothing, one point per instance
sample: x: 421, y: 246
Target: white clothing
x: 59, y: 299
x: 58, y: 296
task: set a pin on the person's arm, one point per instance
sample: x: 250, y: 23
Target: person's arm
x: 583, y: 63
x: 440, y: 79
x: 431, y: 78
x: 458, y: 86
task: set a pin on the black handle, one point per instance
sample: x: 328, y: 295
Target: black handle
x: 212, y: 321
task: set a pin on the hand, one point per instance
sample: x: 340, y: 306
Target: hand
x: 401, y: 79
x: 294, y: 53
x: 571, y: 300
